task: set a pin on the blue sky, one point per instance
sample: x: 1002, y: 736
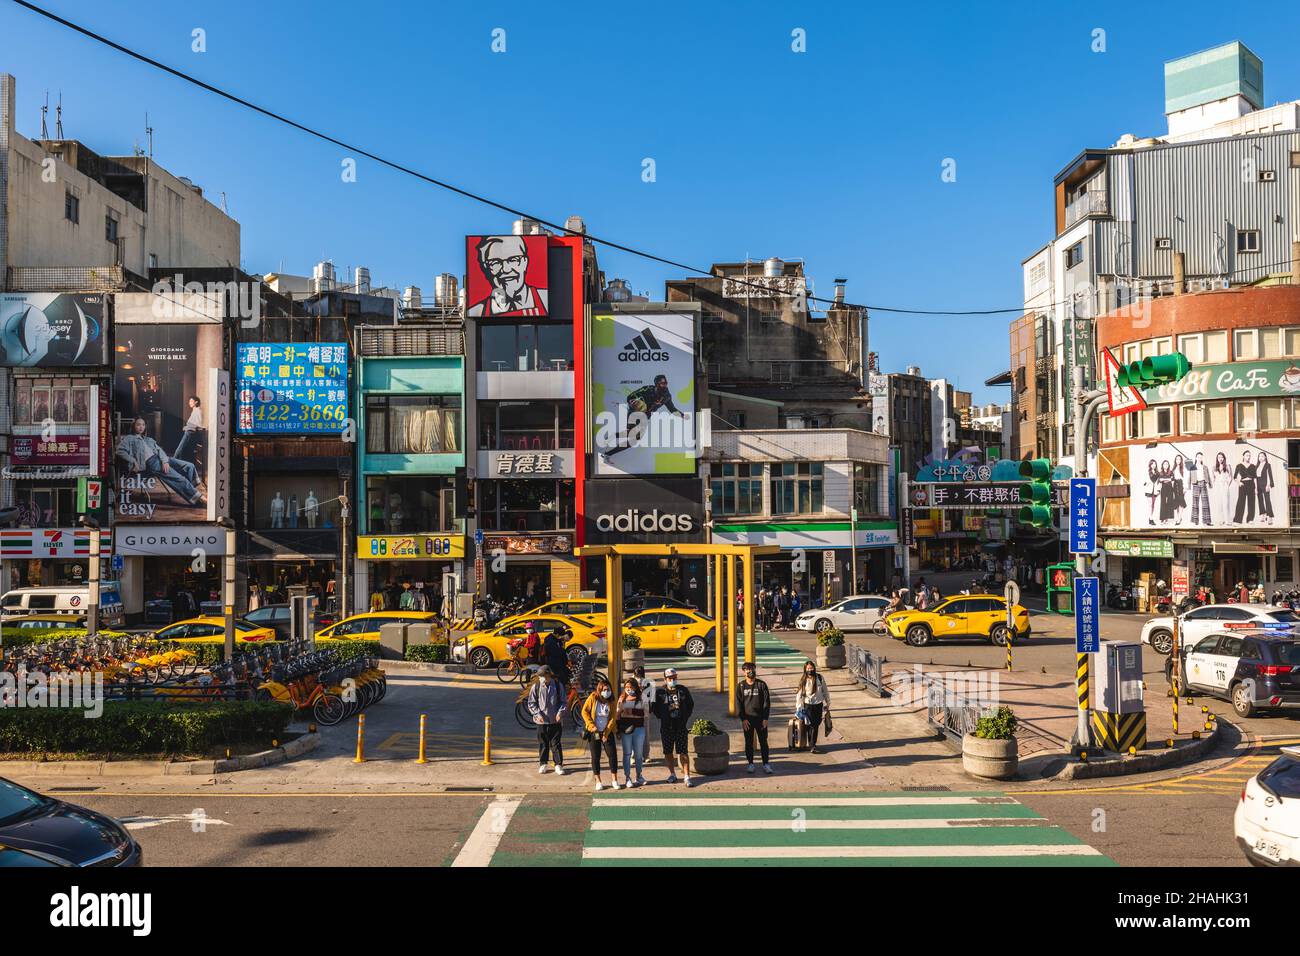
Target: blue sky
x: 833, y: 155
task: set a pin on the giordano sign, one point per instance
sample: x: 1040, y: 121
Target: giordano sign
x: 1231, y: 380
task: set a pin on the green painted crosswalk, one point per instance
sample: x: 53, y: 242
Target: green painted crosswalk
x: 825, y: 829
x: 771, y: 650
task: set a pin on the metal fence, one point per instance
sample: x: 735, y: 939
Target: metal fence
x: 866, y: 668
x: 952, y: 714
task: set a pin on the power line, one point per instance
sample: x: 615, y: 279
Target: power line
x: 476, y: 197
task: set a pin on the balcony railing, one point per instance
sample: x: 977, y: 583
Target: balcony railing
x: 1092, y: 202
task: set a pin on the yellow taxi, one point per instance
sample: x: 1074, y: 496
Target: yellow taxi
x: 365, y: 627
x: 672, y: 629
x: 590, y: 610
x: 974, y: 615
x: 206, y: 628
x: 485, y: 648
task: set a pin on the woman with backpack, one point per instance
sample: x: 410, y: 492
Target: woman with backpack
x: 812, y: 698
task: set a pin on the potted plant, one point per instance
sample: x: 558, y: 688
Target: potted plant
x: 633, y: 655
x: 991, y: 750
x: 830, y: 649
x: 709, y: 748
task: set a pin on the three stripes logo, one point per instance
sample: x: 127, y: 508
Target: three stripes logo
x: 643, y: 348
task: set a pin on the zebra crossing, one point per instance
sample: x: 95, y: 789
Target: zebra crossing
x: 770, y: 650
x: 637, y: 828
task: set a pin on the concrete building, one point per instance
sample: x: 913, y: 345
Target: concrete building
x: 1212, y: 202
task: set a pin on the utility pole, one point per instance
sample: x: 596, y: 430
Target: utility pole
x: 344, y: 609
x: 92, y: 596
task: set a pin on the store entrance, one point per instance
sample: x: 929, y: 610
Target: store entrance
x: 529, y: 581
x: 1245, y: 569
x: 274, y: 578
x: 174, y: 591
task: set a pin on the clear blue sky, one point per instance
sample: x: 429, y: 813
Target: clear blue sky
x: 833, y: 155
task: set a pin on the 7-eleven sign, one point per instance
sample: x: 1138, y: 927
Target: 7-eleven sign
x: 1122, y: 399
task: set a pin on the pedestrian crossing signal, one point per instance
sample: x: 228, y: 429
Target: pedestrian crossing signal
x: 1153, y: 371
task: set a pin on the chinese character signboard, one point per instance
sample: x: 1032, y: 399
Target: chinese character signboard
x: 961, y: 494
x: 61, y: 450
x: 1083, y: 515
x: 292, y: 389
x: 1087, y: 607
x: 1140, y: 547
x: 410, y: 547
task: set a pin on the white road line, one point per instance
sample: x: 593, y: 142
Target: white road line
x: 839, y: 852
x: 486, y: 836
x: 906, y: 824
x: 806, y: 801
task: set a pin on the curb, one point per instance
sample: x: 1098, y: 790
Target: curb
x: 1142, y: 763
x: 415, y: 667
x: 165, y: 768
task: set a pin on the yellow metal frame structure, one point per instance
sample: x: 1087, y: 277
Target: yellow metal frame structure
x: 723, y: 558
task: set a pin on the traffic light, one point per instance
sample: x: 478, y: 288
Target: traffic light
x: 1036, y: 493
x: 1153, y: 371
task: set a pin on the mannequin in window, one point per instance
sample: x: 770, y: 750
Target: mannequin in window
x: 311, y: 507
x: 293, y: 511
x: 277, y: 511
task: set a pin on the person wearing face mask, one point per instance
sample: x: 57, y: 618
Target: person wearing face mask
x: 602, y: 727
x: 813, y: 698
x: 755, y: 707
x: 631, y: 715
x: 546, y: 705
x: 673, y: 706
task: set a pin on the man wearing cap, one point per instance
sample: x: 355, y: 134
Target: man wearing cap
x: 755, y: 703
x: 673, y: 706
x: 546, y: 704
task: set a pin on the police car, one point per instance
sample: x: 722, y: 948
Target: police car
x: 1210, y: 619
x: 1255, y: 667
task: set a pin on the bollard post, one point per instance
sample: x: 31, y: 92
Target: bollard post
x: 1009, y: 642
x: 1174, y: 656
x: 422, y: 758
x: 487, y: 741
x: 361, y: 739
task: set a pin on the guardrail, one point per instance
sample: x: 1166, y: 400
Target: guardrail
x: 866, y: 668
x: 952, y: 714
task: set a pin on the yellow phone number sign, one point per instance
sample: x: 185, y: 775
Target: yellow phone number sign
x: 410, y: 547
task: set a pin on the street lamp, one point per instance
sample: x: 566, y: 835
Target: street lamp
x: 92, y: 609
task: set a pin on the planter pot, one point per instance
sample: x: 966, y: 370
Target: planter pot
x: 993, y: 759
x: 710, y: 755
x: 632, y: 659
x: 830, y: 658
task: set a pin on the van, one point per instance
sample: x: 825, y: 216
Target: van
x: 62, y: 600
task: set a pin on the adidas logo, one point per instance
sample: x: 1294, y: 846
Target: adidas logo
x: 643, y: 348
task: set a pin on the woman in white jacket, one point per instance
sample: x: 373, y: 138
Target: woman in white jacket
x: 813, y: 698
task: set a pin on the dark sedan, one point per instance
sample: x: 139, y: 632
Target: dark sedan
x: 50, y: 830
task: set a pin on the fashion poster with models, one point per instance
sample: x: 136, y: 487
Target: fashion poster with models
x: 162, y: 415
x: 1215, y: 484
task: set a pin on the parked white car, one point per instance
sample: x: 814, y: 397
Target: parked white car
x: 857, y: 612
x: 1212, y: 619
x: 1267, y: 821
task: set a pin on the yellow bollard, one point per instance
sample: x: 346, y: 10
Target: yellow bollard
x: 422, y: 758
x: 1008, y: 650
x: 361, y: 740
x: 487, y: 741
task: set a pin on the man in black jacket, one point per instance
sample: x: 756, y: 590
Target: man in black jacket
x: 554, y: 656
x: 755, y: 704
x: 673, y: 706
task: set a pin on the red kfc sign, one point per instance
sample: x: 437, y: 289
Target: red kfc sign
x: 506, y: 276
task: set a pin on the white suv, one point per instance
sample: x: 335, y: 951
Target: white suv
x: 1268, y: 813
x: 1211, y: 619
x: 855, y: 613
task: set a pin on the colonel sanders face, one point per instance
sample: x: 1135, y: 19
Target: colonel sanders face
x: 505, y: 262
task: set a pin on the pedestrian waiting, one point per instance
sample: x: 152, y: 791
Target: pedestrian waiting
x: 601, y: 729
x: 812, y: 702
x: 755, y: 707
x: 546, y: 705
x: 631, y: 717
x: 673, y: 706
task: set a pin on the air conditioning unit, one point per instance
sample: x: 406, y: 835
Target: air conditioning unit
x: 1164, y: 243
x: 1268, y: 175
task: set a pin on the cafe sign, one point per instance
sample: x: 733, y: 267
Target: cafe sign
x: 1231, y: 380
x: 1139, y: 547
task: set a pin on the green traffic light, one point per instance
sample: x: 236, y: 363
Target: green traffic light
x: 1154, y: 371
x: 1039, y: 493
x: 1035, y: 515
x: 1036, y: 469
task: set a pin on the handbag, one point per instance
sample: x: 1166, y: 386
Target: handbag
x: 826, y: 722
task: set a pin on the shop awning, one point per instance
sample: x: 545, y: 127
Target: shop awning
x: 47, y: 473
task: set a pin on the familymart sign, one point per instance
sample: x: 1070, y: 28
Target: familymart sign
x: 1232, y: 380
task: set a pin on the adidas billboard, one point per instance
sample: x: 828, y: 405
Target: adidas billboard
x: 644, y: 347
x: 643, y: 510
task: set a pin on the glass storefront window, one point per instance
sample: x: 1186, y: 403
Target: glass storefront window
x: 408, y: 505
x: 412, y: 424
x: 526, y: 504
x: 285, y: 501
x: 44, y: 506
x: 525, y: 347
x: 526, y: 426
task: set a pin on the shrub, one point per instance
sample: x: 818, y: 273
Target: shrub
x: 212, y: 650
x: 999, y: 725
x: 429, y: 653
x: 630, y: 641
x: 141, y: 727
x: 704, y: 728
x: 21, y: 636
x: 831, y: 637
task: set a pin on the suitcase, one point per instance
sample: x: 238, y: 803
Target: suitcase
x: 798, y: 734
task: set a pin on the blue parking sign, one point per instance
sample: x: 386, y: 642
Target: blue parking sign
x: 1087, y: 607
x: 1083, y: 515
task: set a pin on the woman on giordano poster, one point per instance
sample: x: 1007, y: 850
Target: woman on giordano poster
x: 158, y: 369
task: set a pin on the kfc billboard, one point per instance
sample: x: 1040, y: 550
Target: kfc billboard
x: 506, y: 276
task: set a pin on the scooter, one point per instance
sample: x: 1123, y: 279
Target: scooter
x: 1120, y: 598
